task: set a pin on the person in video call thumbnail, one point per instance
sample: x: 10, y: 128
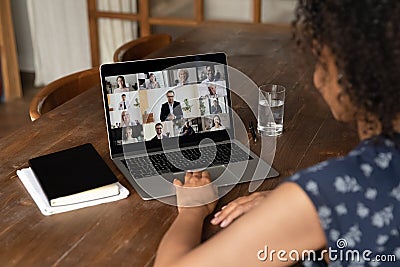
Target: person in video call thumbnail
x: 171, y: 109
x: 212, y: 90
x: 187, y: 129
x: 121, y: 85
x: 153, y: 82
x: 124, y: 104
x: 216, y: 108
x: 183, y: 76
x: 159, y: 132
x: 127, y: 135
x: 126, y: 119
x: 211, y: 76
x: 216, y: 124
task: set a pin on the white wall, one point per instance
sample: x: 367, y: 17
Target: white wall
x: 60, y: 37
x: 22, y: 35
x: 278, y: 11
x: 233, y: 10
x: 272, y: 11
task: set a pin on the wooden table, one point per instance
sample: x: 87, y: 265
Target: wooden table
x: 127, y: 232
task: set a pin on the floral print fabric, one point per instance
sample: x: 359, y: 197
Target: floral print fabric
x: 357, y: 198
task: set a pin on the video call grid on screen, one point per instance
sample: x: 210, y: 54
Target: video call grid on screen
x: 138, y: 110
x: 136, y: 106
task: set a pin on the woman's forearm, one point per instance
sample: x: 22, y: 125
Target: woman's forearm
x: 183, y: 235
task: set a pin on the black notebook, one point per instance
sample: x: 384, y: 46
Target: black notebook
x: 74, y: 175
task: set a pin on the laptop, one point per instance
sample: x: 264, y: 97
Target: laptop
x: 166, y: 116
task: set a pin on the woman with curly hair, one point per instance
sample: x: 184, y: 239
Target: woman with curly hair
x: 340, y: 206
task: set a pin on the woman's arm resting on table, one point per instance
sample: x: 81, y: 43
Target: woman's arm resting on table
x: 185, y: 232
x: 285, y: 220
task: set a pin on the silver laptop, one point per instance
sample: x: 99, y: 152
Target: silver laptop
x: 167, y: 116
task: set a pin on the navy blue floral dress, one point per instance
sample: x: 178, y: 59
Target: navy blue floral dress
x: 357, y: 198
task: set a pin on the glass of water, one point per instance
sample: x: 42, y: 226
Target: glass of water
x: 271, y: 101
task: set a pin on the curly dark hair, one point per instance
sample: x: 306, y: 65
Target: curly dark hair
x: 364, y: 38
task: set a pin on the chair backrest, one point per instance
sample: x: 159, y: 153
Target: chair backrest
x: 62, y: 90
x: 139, y: 48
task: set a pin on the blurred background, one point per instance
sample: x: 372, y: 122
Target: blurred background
x: 56, y: 37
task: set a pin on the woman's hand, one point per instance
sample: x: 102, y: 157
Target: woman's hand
x: 196, y: 195
x: 196, y: 198
x: 237, y: 208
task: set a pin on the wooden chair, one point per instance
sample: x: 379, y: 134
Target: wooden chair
x: 139, y: 48
x: 62, y: 90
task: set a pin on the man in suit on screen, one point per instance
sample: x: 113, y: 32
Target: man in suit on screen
x: 159, y: 132
x: 171, y: 109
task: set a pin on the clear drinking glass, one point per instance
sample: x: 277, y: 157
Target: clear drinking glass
x: 271, y: 101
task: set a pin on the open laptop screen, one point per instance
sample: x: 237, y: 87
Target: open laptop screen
x: 157, y: 100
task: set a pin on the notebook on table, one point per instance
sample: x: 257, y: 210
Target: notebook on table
x: 161, y: 112
x: 74, y: 175
x: 70, y: 179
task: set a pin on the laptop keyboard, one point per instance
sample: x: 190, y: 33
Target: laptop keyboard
x: 155, y: 164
